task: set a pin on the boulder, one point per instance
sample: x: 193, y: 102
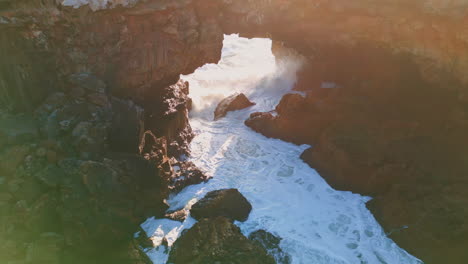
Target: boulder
x: 217, y: 241
x: 229, y: 203
x: 263, y: 123
x: 292, y: 104
x: 234, y: 102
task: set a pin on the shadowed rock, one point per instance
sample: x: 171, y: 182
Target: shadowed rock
x: 234, y: 102
x: 229, y: 203
x: 271, y: 243
x: 217, y: 241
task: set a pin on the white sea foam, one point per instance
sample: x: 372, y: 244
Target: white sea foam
x: 289, y: 199
x: 98, y: 4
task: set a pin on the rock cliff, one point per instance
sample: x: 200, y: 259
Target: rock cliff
x: 386, y: 99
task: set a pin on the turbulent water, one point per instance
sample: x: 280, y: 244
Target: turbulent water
x: 289, y: 199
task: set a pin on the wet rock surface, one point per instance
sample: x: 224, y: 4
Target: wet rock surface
x: 233, y: 102
x: 229, y: 203
x: 216, y: 240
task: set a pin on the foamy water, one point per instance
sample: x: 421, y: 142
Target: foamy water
x: 289, y: 199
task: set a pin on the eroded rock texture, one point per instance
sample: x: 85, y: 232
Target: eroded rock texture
x: 385, y: 97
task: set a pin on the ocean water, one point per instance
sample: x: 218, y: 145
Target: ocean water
x: 317, y: 224
x: 98, y: 4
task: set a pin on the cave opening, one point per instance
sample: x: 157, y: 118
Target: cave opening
x: 383, y: 106
x: 289, y: 199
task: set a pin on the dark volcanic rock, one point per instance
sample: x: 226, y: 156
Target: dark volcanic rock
x: 271, y: 243
x: 229, y: 203
x: 262, y: 123
x: 169, y: 118
x: 127, y: 126
x: 295, y: 114
x: 217, y: 240
x: 399, y: 139
x: 185, y: 173
x: 64, y: 192
x: 234, y: 102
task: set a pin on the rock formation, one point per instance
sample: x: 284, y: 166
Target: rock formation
x: 229, y: 203
x: 378, y: 127
x: 217, y: 240
x: 233, y: 102
x: 76, y: 181
x: 77, y: 86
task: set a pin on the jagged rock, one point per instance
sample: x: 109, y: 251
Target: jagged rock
x: 271, y: 243
x: 144, y: 49
x: 216, y: 240
x: 169, y: 118
x: 185, y: 174
x: 229, y: 203
x: 234, y: 102
x: 178, y: 215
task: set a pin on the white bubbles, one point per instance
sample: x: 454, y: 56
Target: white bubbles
x: 98, y: 4
x: 317, y: 224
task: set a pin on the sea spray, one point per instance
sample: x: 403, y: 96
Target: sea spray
x: 316, y: 223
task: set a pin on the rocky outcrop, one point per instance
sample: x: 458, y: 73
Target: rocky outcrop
x: 394, y: 123
x: 76, y: 182
x: 288, y: 123
x: 383, y: 129
x: 178, y: 215
x: 233, y: 102
x: 169, y: 118
x: 185, y: 173
x: 216, y: 240
x: 229, y: 203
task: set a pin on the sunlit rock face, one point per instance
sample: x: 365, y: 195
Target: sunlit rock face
x: 140, y: 48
